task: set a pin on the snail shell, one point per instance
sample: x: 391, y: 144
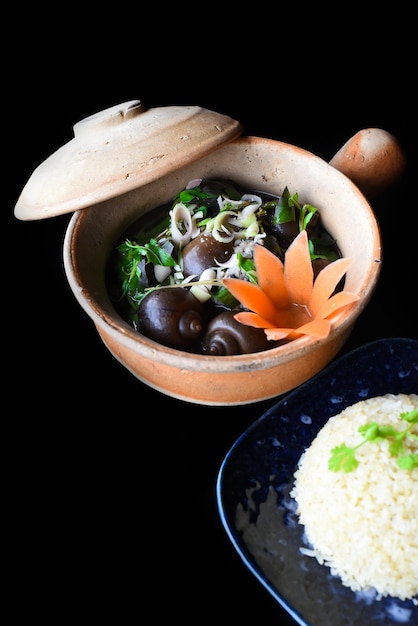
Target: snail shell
x: 171, y: 316
x: 203, y: 252
x: 224, y: 336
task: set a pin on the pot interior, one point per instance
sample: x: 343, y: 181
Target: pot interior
x: 254, y: 164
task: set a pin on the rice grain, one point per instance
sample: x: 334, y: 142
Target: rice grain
x: 362, y: 524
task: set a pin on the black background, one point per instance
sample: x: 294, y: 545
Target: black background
x: 115, y: 508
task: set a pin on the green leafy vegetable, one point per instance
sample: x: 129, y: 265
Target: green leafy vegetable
x: 289, y: 209
x: 285, y: 208
x: 130, y: 267
x: 187, y: 196
x: 343, y: 457
x: 248, y: 267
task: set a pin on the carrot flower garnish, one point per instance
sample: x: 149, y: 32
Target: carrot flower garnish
x: 286, y: 301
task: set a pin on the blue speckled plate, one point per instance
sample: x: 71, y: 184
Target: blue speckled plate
x: 255, y: 479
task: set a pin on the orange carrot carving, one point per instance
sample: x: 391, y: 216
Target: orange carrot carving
x: 288, y: 302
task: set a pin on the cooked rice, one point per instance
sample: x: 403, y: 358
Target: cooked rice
x: 362, y: 524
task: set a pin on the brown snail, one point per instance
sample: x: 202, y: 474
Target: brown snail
x: 284, y: 232
x: 318, y: 265
x: 171, y: 316
x: 205, y: 251
x: 224, y: 336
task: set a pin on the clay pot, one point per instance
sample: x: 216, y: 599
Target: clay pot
x: 146, y: 177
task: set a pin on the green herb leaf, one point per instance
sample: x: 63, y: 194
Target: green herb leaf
x: 411, y: 417
x: 248, y: 267
x: 408, y: 462
x: 225, y: 297
x: 285, y: 208
x: 189, y: 196
x: 307, y: 212
x: 343, y: 457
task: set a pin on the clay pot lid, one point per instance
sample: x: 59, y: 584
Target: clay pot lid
x: 119, y: 149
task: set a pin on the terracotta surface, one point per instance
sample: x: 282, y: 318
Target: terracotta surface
x: 254, y: 163
x: 373, y: 159
x: 117, y: 150
x: 233, y: 385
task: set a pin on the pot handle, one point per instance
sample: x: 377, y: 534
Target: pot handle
x: 373, y: 159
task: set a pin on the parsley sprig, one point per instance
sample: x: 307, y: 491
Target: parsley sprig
x: 343, y: 457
